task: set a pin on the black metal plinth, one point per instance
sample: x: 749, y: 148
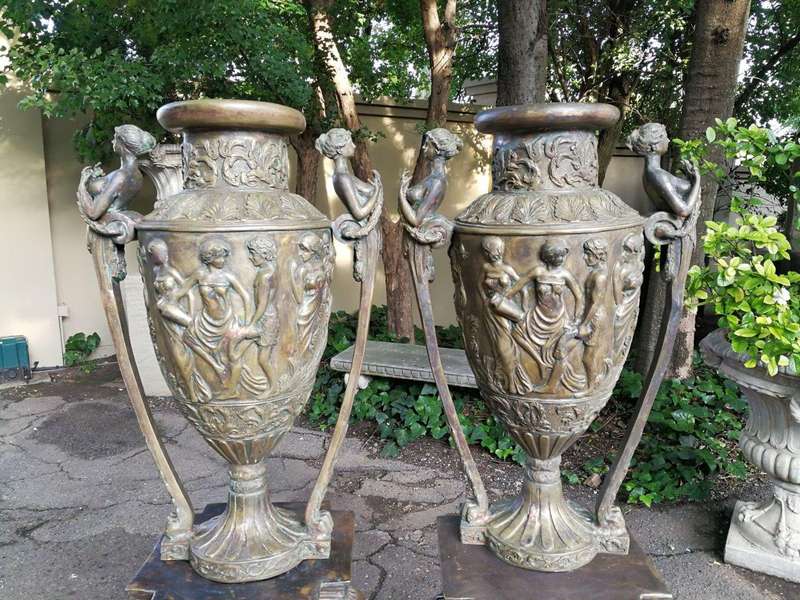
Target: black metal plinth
x: 474, y: 573
x: 327, y: 579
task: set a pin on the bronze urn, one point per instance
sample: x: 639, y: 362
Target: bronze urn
x: 236, y: 272
x: 547, y: 269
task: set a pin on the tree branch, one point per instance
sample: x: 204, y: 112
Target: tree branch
x: 759, y: 74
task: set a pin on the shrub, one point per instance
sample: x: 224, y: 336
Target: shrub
x: 690, y: 435
x: 79, y: 348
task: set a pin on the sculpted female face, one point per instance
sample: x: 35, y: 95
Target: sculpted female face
x: 349, y: 149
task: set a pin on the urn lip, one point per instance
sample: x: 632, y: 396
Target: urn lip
x: 214, y: 113
x: 547, y: 116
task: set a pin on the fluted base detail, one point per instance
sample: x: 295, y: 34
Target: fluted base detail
x: 252, y: 540
x: 542, y: 531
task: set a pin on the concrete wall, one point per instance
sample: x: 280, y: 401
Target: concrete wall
x: 45, y: 263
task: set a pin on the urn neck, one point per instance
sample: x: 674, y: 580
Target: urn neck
x: 235, y: 160
x: 550, y: 161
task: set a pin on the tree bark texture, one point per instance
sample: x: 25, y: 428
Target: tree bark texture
x: 718, y: 42
x: 399, y: 286
x: 522, y: 51
x: 308, y: 161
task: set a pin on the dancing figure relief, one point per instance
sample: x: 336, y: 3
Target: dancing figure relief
x: 176, y: 314
x: 265, y: 327
x: 593, y: 331
x: 311, y: 273
x: 627, y: 283
x: 549, y: 333
x: 502, y: 315
x: 216, y: 330
x: 362, y: 199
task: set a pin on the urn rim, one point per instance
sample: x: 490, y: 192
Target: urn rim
x: 547, y: 116
x: 215, y: 113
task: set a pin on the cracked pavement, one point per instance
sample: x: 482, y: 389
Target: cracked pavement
x: 81, y: 503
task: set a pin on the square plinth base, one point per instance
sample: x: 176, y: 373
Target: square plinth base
x: 327, y: 579
x: 742, y: 552
x: 474, y: 573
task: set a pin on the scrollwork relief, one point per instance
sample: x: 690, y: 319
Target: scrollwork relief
x: 238, y: 161
x: 554, y: 160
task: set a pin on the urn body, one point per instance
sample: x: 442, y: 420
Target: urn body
x: 547, y: 270
x: 237, y: 272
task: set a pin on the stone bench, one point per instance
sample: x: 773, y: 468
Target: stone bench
x: 406, y: 361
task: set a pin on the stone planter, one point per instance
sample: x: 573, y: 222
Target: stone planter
x: 765, y: 537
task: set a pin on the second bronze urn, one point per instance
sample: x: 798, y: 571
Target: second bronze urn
x: 556, y: 263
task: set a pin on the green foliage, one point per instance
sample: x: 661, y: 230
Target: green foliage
x: 79, y: 348
x: 689, y: 436
x: 746, y: 162
x: 117, y: 62
x: 759, y: 307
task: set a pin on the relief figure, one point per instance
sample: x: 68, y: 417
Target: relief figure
x: 627, y: 284
x: 166, y: 283
x: 501, y: 316
x: 310, y: 277
x: 103, y: 199
x: 549, y: 333
x: 216, y: 330
x: 265, y: 325
x: 594, y: 329
x: 363, y: 199
x: 677, y: 195
x: 420, y: 201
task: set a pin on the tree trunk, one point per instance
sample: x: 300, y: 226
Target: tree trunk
x: 308, y: 161
x: 399, y: 286
x: 718, y: 43
x: 522, y: 51
x: 619, y: 95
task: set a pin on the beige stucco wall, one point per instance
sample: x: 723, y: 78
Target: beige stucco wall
x: 38, y: 164
x: 28, y: 300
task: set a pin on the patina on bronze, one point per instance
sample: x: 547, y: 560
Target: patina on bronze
x: 237, y: 272
x: 357, y: 227
x: 426, y: 230
x: 547, y: 270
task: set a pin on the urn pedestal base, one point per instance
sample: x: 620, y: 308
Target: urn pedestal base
x: 543, y: 531
x: 252, y: 539
x: 755, y: 531
x: 471, y: 572
x: 320, y: 579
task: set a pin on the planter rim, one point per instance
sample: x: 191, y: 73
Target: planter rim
x: 717, y: 343
x: 212, y: 113
x: 547, y: 116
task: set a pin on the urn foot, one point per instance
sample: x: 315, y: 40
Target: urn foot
x: 541, y: 530
x: 252, y: 540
